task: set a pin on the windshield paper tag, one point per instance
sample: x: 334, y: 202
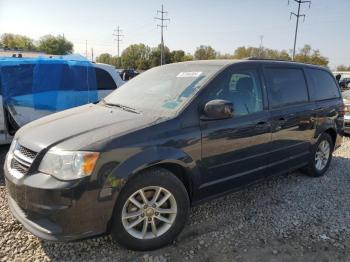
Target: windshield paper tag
x: 189, y: 74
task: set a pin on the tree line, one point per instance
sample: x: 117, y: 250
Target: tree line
x: 49, y: 44
x: 142, y: 57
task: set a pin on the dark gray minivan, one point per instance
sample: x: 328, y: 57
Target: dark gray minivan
x: 172, y: 137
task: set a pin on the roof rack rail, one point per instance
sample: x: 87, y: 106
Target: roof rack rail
x: 267, y: 59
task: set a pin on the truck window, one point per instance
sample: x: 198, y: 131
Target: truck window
x: 322, y: 85
x: 104, y: 80
x: 286, y: 86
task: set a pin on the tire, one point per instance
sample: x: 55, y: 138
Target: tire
x: 313, y: 169
x: 148, y: 183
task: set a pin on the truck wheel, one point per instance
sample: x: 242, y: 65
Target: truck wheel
x: 151, y: 210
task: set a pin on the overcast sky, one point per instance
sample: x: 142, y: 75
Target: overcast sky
x: 223, y: 24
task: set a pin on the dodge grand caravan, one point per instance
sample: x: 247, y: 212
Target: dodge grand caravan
x: 170, y: 138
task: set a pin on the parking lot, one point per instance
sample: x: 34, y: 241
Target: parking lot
x: 287, y: 218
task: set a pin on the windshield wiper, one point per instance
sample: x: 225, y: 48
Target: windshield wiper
x: 123, y: 107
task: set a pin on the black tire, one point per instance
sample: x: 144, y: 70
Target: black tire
x: 311, y: 169
x: 152, y: 177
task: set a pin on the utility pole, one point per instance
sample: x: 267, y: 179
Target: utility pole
x: 92, y: 55
x: 261, y: 46
x: 118, y: 35
x: 162, y: 26
x: 86, y: 53
x: 298, y: 15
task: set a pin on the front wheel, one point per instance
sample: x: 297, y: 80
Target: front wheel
x: 151, y: 210
x: 321, y: 156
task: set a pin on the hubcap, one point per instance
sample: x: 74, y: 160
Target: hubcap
x: 149, y: 212
x: 322, y: 155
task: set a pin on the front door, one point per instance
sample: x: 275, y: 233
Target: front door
x: 235, y: 150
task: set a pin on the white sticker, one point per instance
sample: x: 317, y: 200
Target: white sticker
x: 189, y: 74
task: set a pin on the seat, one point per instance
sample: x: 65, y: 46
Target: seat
x: 243, y: 97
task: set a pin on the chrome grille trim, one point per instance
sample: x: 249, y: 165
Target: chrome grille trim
x: 24, y: 154
x: 20, y: 161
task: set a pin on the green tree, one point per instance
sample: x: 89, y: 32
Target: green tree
x: 177, y: 56
x: 308, y: 55
x: 104, y: 58
x: 136, y: 56
x: 188, y: 57
x: 205, y: 53
x: 17, y: 41
x: 155, y: 56
x: 55, y: 45
x: 223, y: 56
x: 244, y: 52
x: 343, y: 68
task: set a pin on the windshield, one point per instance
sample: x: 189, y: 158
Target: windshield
x: 162, y: 90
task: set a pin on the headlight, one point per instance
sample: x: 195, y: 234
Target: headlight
x: 13, y: 146
x: 68, y: 165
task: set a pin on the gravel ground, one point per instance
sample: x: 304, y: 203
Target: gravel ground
x: 286, y: 218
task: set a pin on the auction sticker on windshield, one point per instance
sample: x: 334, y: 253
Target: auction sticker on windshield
x: 189, y: 74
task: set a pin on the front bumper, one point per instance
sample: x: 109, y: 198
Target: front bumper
x: 57, y: 210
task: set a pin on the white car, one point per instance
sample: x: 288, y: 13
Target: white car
x: 28, y: 93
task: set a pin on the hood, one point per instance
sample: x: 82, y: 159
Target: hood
x: 87, y: 124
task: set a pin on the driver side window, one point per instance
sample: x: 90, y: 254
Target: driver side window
x: 242, y: 88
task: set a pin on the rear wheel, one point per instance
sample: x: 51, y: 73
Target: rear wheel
x: 321, y: 156
x: 151, y: 210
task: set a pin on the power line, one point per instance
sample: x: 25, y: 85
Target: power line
x: 298, y: 15
x: 117, y: 33
x: 162, y: 26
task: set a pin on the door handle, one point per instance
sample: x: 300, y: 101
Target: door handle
x: 261, y: 125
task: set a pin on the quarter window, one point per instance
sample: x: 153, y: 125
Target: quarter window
x: 323, y: 85
x: 286, y: 86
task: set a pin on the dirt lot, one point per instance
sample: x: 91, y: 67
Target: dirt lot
x: 287, y: 218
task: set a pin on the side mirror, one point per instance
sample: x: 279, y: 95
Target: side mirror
x: 218, y: 109
x: 337, y: 77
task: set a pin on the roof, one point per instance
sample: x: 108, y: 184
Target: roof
x: 227, y: 62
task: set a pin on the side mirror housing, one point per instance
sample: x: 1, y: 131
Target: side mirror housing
x: 218, y: 109
x: 337, y: 77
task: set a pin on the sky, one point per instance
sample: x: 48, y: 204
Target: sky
x: 223, y: 24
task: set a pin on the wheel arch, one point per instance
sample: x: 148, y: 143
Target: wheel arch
x: 171, y: 159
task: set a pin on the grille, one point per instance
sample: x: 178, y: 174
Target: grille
x: 20, y: 168
x: 21, y: 160
x: 27, y: 152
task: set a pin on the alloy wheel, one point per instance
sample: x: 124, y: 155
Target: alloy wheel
x: 322, y: 155
x: 149, y: 212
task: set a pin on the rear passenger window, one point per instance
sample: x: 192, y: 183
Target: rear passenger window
x: 323, y: 85
x: 104, y: 80
x: 286, y: 86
